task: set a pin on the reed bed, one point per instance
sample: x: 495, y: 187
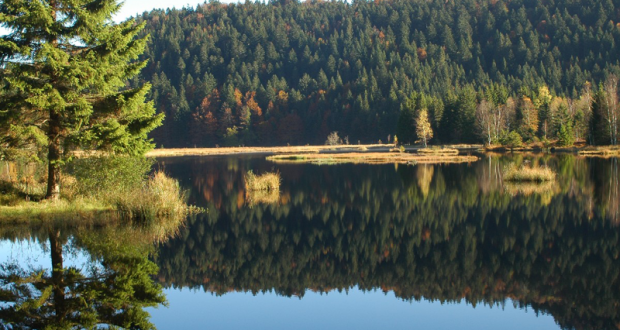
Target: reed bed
x: 262, y: 189
x: 527, y: 173
x: 438, y: 151
x: 160, y: 197
x: 269, y: 181
x: 179, y: 152
x: 370, y: 158
x: 606, y: 151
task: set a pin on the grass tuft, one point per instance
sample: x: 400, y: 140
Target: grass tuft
x: 269, y: 181
x: 262, y: 189
x: 160, y: 197
x: 526, y: 173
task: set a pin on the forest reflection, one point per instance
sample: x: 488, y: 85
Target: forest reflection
x: 440, y: 232
x: 105, y: 283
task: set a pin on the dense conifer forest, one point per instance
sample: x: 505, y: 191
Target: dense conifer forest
x: 288, y: 72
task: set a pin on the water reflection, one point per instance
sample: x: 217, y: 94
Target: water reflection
x: 448, y: 233
x: 110, y: 287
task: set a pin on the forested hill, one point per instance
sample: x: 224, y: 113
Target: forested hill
x: 291, y: 72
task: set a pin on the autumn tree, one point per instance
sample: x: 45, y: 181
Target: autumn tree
x: 63, y: 69
x: 423, y: 127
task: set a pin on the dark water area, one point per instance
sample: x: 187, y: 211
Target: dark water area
x: 368, y: 246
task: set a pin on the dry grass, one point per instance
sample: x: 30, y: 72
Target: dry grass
x: 269, y: 181
x: 264, y: 150
x: 281, y: 150
x: 605, y: 151
x: 371, y: 158
x: 161, y: 197
x: 526, y: 173
x: 262, y: 189
x: 438, y: 151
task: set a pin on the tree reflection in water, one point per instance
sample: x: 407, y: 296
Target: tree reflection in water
x: 447, y: 233
x: 110, y: 289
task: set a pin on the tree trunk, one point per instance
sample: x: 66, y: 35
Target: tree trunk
x: 53, y: 157
x: 58, y: 282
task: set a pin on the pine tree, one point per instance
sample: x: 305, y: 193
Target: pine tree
x: 64, y: 66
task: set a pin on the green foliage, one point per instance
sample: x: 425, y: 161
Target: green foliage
x: 111, y: 290
x: 566, y: 137
x: 348, y: 66
x: 63, y: 69
x: 107, y: 177
x: 425, y: 238
x: 511, y: 140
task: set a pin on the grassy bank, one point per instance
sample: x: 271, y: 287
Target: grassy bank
x: 290, y: 149
x: 371, y: 158
x: 99, y: 190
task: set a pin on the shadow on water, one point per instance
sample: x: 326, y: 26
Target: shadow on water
x: 449, y: 233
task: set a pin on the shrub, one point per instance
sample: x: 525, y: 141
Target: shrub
x: 565, y: 135
x: 106, y: 177
x: 333, y: 139
x: 512, y: 140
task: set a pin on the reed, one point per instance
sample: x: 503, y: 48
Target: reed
x: 600, y: 151
x: 527, y: 173
x: 371, y: 158
x: 269, y: 181
x: 161, y: 197
x: 438, y: 151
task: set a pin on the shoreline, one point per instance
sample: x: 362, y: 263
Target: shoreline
x: 362, y: 148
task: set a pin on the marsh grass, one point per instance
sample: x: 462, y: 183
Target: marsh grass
x: 371, y: 158
x: 108, y: 189
x: 438, y: 151
x: 527, y: 173
x: 269, y: 181
x: 161, y: 197
x: 601, y: 151
x: 262, y: 189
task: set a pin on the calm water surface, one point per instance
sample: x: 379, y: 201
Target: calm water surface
x: 385, y: 246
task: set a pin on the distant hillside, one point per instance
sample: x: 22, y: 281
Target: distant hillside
x: 290, y: 72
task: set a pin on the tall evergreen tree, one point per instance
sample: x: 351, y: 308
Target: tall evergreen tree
x: 64, y: 66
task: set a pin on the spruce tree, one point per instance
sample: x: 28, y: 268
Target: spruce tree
x: 64, y: 65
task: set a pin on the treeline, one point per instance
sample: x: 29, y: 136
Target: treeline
x: 292, y: 72
x: 493, y: 116
x: 447, y: 233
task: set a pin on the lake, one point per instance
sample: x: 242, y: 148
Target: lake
x: 370, y: 246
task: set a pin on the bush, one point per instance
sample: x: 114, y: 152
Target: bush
x: 105, y: 177
x: 565, y: 135
x: 512, y: 140
x: 333, y: 139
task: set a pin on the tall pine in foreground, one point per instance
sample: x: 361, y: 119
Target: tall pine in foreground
x: 63, y: 70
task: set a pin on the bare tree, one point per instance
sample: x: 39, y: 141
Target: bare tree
x: 483, y: 120
x: 611, y: 100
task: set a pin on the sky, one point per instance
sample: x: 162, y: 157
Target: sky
x: 135, y: 7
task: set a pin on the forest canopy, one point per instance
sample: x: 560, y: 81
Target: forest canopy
x: 292, y: 72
